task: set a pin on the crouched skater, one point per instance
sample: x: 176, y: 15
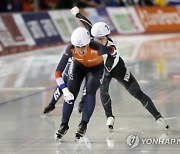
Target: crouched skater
x: 87, y: 63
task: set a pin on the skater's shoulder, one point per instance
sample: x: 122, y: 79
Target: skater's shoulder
x: 69, y: 47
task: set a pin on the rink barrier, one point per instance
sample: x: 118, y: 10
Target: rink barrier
x: 22, y: 32
x: 159, y: 19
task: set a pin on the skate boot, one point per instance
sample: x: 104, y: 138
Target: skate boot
x: 80, y: 106
x: 110, y: 123
x: 62, y: 131
x: 48, y: 108
x: 163, y: 123
x: 81, y: 130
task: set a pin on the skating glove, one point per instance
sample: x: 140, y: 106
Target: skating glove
x: 75, y: 10
x: 68, y: 96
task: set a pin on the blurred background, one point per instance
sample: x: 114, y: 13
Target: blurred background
x: 37, y: 5
x: 33, y: 36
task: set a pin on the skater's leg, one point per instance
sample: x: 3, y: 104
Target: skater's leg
x: 88, y: 107
x: 57, y: 94
x: 106, y: 99
x: 104, y: 94
x: 81, y: 103
x: 74, y: 87
x: 87, y: 110
x: 135, y: 90
x: 74, y: 84
x: 126, y: 78
x: 93, y: 83
x: 146, y: 101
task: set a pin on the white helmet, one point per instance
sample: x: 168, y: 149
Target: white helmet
x: 100, y: 29
x: 80, y: 37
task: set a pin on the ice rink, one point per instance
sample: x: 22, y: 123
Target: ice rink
x: 27, y: 84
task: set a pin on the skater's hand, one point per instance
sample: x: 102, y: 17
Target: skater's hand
x: 68, y: 96
x: 75, y: 10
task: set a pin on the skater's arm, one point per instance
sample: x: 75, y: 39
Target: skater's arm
x: 68, y: 96
x: 83, y: 19
x: 103, y: 49
x: 61, y: 66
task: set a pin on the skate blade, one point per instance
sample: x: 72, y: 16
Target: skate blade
x: 77, y: 137
x: 167, y: 127
x: 111, y: 128
x: 43, y: 116
x: 57, y: 137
